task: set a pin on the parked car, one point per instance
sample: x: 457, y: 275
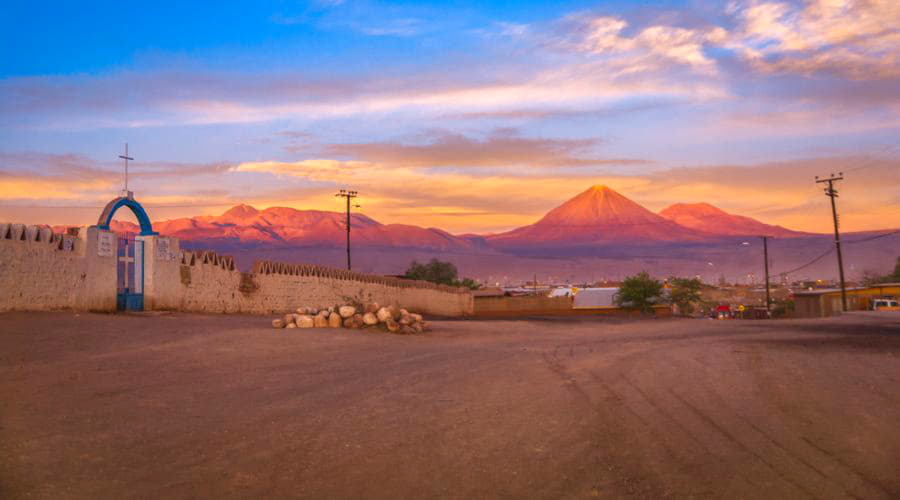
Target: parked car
x: 885, y: 305
x: 722, y: 312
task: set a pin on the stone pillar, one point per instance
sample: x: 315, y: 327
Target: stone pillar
x: 162, y: 266
x: 99, y: 249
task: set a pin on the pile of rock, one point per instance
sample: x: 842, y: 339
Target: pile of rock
x: 391, y: 318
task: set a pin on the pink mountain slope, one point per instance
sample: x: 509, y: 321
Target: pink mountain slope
x: 598, y: 215
x: 707, y: 218
x: 279, y: 226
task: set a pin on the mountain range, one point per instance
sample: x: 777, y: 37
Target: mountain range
x: 597, y: 234
x: 598, y: 215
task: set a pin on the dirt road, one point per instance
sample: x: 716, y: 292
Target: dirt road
x: 177, y: 406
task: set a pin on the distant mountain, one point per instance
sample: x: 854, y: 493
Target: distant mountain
x: 709, y: 219
x: 247, y: 227
x: 597, y: 215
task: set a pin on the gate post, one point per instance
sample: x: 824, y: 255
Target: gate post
x: 99, y: 249
x: 161, y: 272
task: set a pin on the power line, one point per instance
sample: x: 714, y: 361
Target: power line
x: 348, y: 195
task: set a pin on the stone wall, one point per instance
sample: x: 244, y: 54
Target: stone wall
x: 199, y: 281
x: 42, y: 270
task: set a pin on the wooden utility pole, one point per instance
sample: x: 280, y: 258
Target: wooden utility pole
x: 832, y: 193
x: 348, y: 195
x: 766, y: 270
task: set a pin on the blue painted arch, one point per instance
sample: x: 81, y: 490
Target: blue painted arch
x: 136, y: 208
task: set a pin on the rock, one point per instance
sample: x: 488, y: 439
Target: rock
x: 407, y: 330
x: 404, y: 312
x: 372, y: 307
x: 348, y: 322
x: 370, y: 319
x: 302, y: 310
x: 346, y: 311
x: 334, y: 320
x: 357, y: 320
x: 323, y: 313
x: 288, y: 318
x: 320, y: 321
x: 417, y: 327
x: 384, y: 314
x: 424, y: 326
x: 392, y: 325
x: 312, y: 311
x: 330, y: 309
x: 291, y: 325
x: 277, y: 323
x: 304, y: 321
x: 415, y: 317
x: 395, y: 312
x: 405, y: 319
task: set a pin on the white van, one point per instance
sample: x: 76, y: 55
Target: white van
x: 885, y: 305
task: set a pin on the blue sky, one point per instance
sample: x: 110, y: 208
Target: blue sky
x: 279, y: 103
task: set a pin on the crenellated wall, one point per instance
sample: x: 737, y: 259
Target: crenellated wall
x: 203, y: 281
x: 42, y: 270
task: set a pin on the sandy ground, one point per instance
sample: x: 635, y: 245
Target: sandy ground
x: 178, y: 406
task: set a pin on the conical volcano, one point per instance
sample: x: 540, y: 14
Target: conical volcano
x: 597, y: 215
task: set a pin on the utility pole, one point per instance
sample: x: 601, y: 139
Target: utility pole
x: 832, y: 193
x: 348, y: 195
x: 766, y: 268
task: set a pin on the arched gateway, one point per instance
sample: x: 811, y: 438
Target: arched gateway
x: 136, y: 208
x: 130, y: 253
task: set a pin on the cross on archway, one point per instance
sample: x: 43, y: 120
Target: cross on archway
x: 126, y: 158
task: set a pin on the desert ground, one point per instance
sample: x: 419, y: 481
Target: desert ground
x: 193, y: 406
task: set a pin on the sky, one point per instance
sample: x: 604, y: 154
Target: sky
x: 468, y: 116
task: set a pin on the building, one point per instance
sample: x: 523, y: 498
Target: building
x: 827, y: 302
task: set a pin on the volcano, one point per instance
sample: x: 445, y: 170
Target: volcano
x: 707, y: 218
x: 596, y: 216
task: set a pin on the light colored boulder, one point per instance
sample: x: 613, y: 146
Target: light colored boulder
x: 415, y: 317
x: 370, y: 319
x: 291, y: 325
x: 384, y: 314
x: 277, y: 323
x: 305, y: 321
x: 323, y: 313
x: 346, y: 311
x: 405, y: 319
x: 330, y: 309
x: 348, y: 322
x: 288, y: 318
x: 334, y: 320
x: 372, y: 307
x: 404, y: 312
x: 395, y: 312
x: 392, y: 325
x: 302, y: 310
x: 312, y: 311
x: 320, y: 321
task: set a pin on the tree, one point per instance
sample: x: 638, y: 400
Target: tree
x: 436, y: 271
x: 870, y: 278
x: 639, y: 292
x: 684, y: 293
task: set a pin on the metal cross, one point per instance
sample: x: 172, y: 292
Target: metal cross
x: 126, y: 158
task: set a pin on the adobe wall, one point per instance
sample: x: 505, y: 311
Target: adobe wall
x: 207, y: 282
x: 41, y: 270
